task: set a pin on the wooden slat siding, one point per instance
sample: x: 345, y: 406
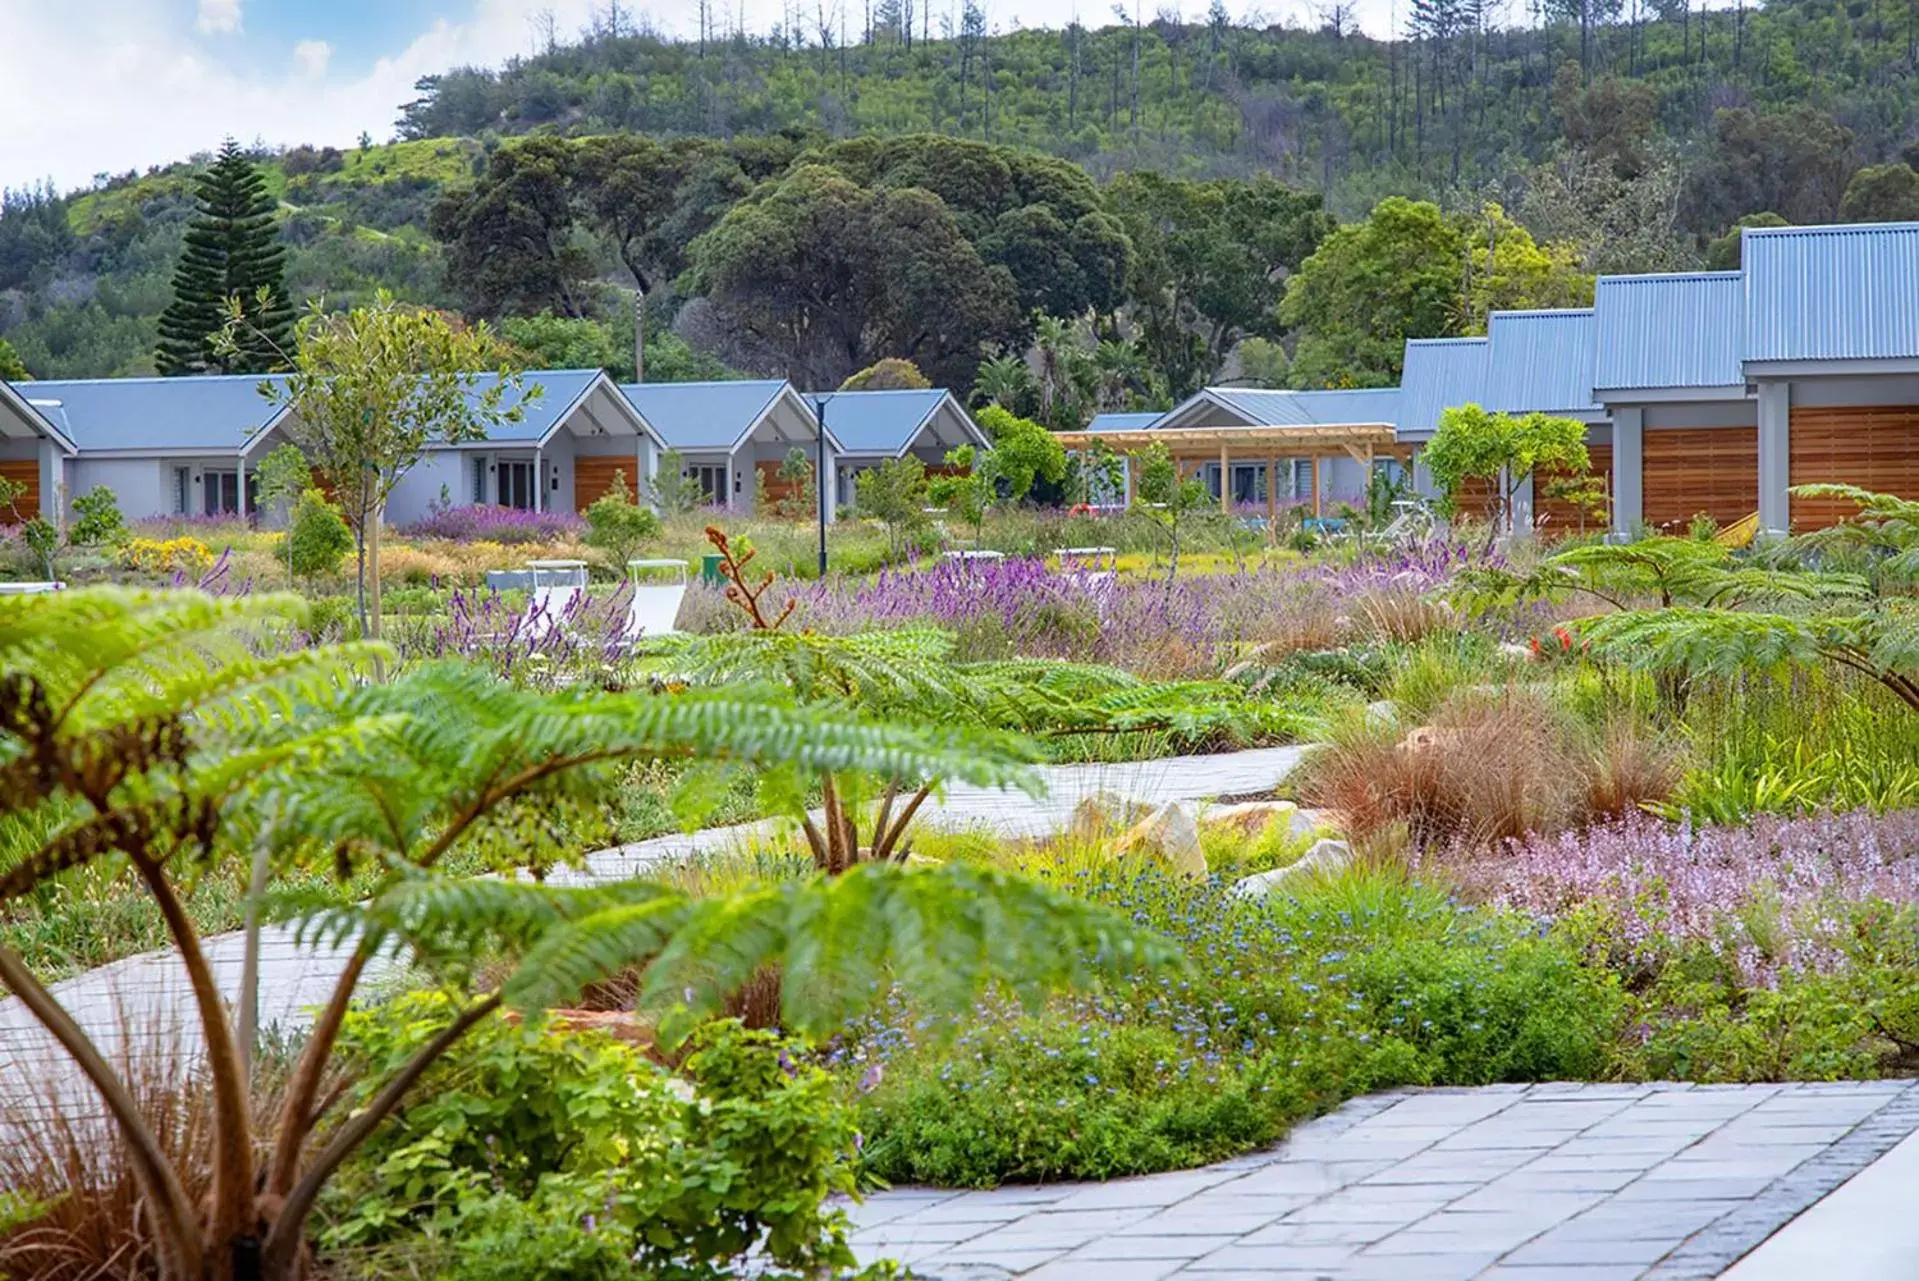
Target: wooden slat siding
x: 775, y: 489
x: 1875, y: 447
x: 1690, y: 470
x: 593, y: 478
x: 1558, y: 517
x: 1476, y: 495
x: 25, y: 472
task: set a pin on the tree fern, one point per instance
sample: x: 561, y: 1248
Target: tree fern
x: 148, y: 726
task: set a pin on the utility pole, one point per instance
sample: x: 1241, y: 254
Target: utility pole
x: 639, y: 335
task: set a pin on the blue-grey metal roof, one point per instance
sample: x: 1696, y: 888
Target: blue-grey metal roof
x: 1268, y: 408
x: 33, y: 420
x: 883, y: 422
x: 217, y: 414
x: 1125, y: 422
x: 225, y: 413
x: 1832, y: 293
x: 1440, y: 373
x: 1678, y: 330
x: 560, y: 391
x: 708, y: 415
x: 1540, y: 360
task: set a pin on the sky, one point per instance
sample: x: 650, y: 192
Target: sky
x: 93, y: 87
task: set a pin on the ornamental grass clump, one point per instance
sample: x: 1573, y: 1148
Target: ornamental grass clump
x: 1492, y: 764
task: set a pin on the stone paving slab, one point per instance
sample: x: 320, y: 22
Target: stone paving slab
x: 1507, y: 1183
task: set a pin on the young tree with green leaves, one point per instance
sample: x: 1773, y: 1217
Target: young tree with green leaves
x: 369, y: 389
x: 282, y: 476
x: 671, y: 490
x: 894, y: 494
x: 233, y: 258
x: 1023, y: 453
x: 1504, y: 451
x: 619, y: 526
x: 151, y: 736
x: 1166, y: 498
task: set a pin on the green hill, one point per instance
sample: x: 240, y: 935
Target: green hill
x: 1638, y: 139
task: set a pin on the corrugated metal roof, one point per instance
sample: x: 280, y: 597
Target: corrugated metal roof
x: 1540, y: 360
x: 20, y: 417
x: 1440, y: 373
x: 561, y: 389
x: 217, y: 414
x: 1832, y: 293
x: 1125, y: 422
x: 881, y: 422
x: 1678, y: 330
x: 1268, y: 408
x: 224, y: 413
x: 708, y: 415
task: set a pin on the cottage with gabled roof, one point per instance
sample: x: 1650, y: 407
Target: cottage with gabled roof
x: 190, y: 446
x: 874, y: 426
x: 732, y: 437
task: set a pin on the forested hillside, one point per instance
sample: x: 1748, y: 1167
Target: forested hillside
x: 1142, y: 199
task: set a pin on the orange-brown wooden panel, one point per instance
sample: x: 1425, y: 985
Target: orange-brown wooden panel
x: 775, y: 489
x: 27, y: 506
x: 1476, y: 498
x: 1559, y: 515
x: 1693, y: 471
x: 1874, y: 447
x: 593, y: 477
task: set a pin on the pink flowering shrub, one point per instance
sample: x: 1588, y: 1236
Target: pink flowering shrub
x: 1776, y: 896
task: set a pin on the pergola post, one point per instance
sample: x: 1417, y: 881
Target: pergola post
x: 1225, y: 481
x: 1317, y: 512
x: 1272, y: 487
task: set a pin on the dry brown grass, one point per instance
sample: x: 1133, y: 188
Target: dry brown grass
x: 60, y: 1152
x: 1490, y: 766
x: 1399, y: 613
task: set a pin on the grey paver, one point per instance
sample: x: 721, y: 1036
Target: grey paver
x: 1668, y: 1182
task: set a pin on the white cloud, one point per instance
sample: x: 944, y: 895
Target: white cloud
x: 218, y: 16
x: 114, y: 85
x: 310, y: 57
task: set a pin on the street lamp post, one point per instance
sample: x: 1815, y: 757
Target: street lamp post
x: 819, y: 483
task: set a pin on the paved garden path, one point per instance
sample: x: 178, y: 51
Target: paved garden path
x: 146, y: 996
x: 1580, y: 1182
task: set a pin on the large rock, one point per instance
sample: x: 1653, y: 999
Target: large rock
x: 1100, y: 814
x: 1250, y: 818
x: 1169, y: 834
x: 1325, y: 857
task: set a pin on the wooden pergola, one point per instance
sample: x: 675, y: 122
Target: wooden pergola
x: 1362, y: 442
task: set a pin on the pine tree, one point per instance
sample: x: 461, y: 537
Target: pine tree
x: 232, y: 250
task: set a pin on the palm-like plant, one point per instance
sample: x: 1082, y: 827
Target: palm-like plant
x: 1004, y: 381
x: 168, y: 733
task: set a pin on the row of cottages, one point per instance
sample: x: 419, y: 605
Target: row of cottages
x: 190, y: 446
x: 1703, y: 393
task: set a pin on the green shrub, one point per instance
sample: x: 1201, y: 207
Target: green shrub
x: 96, y: 519
x: 317, y: 537
x: 617, y: 525
x: 532, y: 1151
x: 1289, y: 1007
